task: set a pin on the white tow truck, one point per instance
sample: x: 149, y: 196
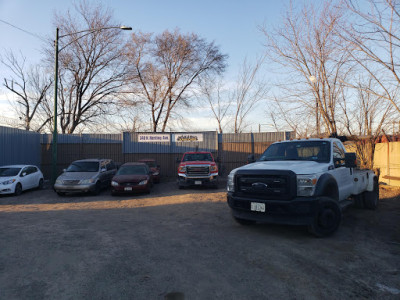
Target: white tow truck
x: 301, y: 182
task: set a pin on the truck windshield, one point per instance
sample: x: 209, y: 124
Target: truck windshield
x: 318, y: 151
x: 197, y: 157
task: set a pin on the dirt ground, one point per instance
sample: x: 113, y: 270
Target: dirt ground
x: 185, y: 241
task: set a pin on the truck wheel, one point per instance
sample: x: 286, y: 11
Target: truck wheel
x: 371, y: 199
x: 359, y: 200
x: 244, y: 221
x: 327, y: 218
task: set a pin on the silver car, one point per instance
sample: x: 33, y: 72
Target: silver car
x: 87, y: 175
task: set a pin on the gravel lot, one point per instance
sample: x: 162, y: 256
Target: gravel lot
x: 185, y: 241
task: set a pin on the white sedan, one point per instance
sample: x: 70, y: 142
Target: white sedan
x: 17, y: 178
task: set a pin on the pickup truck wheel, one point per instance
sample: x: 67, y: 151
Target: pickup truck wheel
x: 359, y: 200
x: 327, y: 218
x: 371, y: 199
x: 243, y: 221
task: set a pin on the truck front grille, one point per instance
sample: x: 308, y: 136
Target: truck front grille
x: 197, y: 170
x: 266, y: 184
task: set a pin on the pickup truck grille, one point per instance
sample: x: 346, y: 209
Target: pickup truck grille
x: 266, y: 184
x: 197, y: 170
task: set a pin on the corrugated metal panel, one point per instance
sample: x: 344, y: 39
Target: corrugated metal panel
x: 19, y: 147
x: 256, y: 137
x: 131, y: 143
x: 83, y: 138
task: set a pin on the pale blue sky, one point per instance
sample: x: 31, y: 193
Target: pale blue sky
x: 231, y: 24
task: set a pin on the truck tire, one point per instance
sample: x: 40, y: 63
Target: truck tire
x: 371, y: 199
x: 359, y: 200
x: 244, y: 221
x: 327, y: 218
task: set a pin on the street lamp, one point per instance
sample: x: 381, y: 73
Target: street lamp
x: 313, y: 80
x: 88, y: 31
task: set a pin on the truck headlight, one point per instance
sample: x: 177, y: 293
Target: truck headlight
x: 182, y: 169
x: 214, y: 169
x: 230, y: 186
x: 306, y: 185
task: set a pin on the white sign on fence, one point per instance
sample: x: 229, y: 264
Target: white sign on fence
x: 188, y: 137
x: 151, y: 138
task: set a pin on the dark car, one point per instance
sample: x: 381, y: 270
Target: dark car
x: 132, y: 177
x: 153, y: 168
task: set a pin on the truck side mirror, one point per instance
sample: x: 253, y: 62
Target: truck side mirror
x: 350, y: 160
x: 251, y: 159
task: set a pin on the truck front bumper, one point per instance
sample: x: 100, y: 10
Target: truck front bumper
x: 298, y: 211
x: 211, y: 180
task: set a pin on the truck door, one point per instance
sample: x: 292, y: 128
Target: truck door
x: 342, y: 174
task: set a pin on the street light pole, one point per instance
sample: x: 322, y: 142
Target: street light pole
x: 54, y: 146
x: 55, y: 134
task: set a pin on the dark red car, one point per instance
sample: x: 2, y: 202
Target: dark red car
x: 132, y: 177
x: 153, y: 167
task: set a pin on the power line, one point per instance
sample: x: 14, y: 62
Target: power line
x: 33, y: 34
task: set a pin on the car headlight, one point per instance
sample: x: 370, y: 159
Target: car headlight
x: 87, y: 181
x: 143, y: 182
x: 8, y: 181
x: 214, y: 169
x: 114, y: 183
x: 58, y: 181
x: 306, y: 185
x: 230, y: 186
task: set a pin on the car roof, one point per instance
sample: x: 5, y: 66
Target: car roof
x: 17, y: 166
x: 134, y: 164
x: 90, y: 159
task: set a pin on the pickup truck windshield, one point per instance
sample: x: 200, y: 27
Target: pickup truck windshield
x: 197, y: 157
x: 318, y: 151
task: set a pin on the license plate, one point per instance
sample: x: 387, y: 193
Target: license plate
x: 255, y: 206
x: 128, y: 189
x: 198, y: 182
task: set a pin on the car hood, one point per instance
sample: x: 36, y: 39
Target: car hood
x: 298, y: 167
x: 77, y: 175
x: 130, y: 178
x: 185, y: 163
x: 2, y: 179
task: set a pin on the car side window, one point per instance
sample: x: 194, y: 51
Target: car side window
x: 338, y: 155
x: 32, y: 170
x: 25, y: 170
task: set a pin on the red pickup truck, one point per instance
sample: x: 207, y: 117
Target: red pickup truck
x: 197, y: 168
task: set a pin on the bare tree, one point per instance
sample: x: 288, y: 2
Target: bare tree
x: 216, y: 96
x: 375, y: 36
x: 92, y: 66
x: 31, y: 86
x: 165, y: 69
x: 247, y: 92
x: 307, y: 47
x: 365, y: 119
